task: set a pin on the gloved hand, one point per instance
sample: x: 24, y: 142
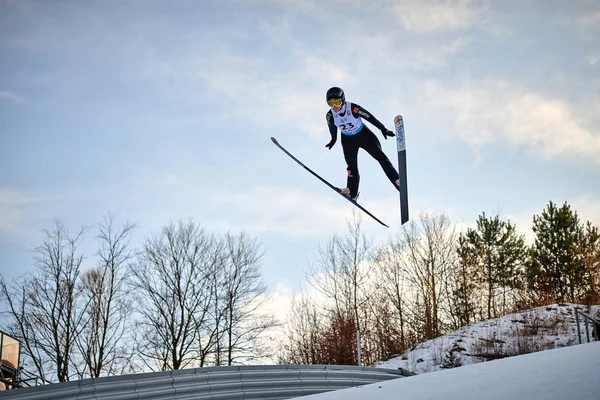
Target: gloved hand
x: 330, y: 144
x: 386, y: 132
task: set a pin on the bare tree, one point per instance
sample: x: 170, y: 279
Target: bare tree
x: 342, y: 274
x: 386, y: 333
x: 303, y: 333
x: 431, y: 253
x: 19, y: 325
x: 172, y: 293
x: 339, y: 341
x: 106, y: 320
x: 243, y: 296
x: 46, y: 309
x: 211, y: 336
x: 392, y: 271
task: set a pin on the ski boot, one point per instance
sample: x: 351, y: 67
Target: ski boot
x: 346, y: 192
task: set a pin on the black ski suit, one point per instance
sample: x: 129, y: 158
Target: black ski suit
x: 362, y: 137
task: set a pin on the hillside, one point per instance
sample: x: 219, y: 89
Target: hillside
x: 524, y: 332
x: 558, y: 374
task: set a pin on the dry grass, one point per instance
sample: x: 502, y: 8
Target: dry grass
x: 523, y: 340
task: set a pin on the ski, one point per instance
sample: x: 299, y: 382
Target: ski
x: 401, y: 144
x: 337, y: 190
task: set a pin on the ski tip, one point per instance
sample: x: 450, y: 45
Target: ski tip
x: 274, y: 140
x: 398, y: 119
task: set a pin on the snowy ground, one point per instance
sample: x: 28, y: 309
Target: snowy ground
x: 568, y: 373
x: 525, y: 332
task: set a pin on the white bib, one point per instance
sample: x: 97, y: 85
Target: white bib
x: 346, y: 123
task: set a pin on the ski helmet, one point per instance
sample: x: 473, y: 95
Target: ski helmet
x: 335, y: 95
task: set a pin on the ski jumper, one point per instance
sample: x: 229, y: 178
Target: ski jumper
x: 355, y: 134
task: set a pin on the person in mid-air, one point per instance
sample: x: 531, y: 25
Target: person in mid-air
x: 347, y: 117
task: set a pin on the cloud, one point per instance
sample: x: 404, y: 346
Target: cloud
x: 310, y: 7
x: 588, y: 208
x: 4, y: 94
x: 262, y: 70
x: 589, y: 24
x: 421, y: 16
x: 523, y: 221
x: 253, y: 89
x: 584, y: 21
x: 434, y: 56
x: 283, y: 210
x: 549, y: 127
x: 12, y: 205
x: 280, y: 307
x: 432, y: 16
x: 270, y: 100
x: 493, y: 112
x: 594, y: 59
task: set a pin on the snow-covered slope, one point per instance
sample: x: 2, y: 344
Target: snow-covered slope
x: 520, y: 333
x: 569, y: 373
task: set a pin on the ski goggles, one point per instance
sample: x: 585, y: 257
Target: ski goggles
x: 334, y: 102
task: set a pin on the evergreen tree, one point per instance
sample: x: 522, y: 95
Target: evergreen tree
x: 491, y: 256
x: 590, y: 249
x: 463, y: 295
x: 557, y: 271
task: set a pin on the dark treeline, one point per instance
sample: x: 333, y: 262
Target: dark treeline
x: 185, y: 297
x: 431, y: 279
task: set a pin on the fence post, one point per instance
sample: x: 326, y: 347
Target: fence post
x: 358, y: 346
x: 587, y: 331
x: 578, y: 330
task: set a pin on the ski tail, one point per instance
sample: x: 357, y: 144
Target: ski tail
x: 327, y: 183
x: 401, y: 145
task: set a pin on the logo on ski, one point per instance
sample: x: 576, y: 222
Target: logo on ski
x: 403, y: 188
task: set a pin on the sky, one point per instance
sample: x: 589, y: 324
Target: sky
x: 163, y: 111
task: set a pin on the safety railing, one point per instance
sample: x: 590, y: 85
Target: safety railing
x: 271, y: 382
x: 592, y: 322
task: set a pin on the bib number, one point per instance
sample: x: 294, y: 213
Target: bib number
x: 347, y: 127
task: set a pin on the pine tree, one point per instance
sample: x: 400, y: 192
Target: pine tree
x: 464, y: 290
x: 590, y: 249
x: 557, y: 272
x: 492, y: 255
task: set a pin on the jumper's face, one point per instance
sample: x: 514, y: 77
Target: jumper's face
x: 337, y: 108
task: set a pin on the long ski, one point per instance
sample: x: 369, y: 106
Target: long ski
x: 401, y: 144
x: 337, y: 190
